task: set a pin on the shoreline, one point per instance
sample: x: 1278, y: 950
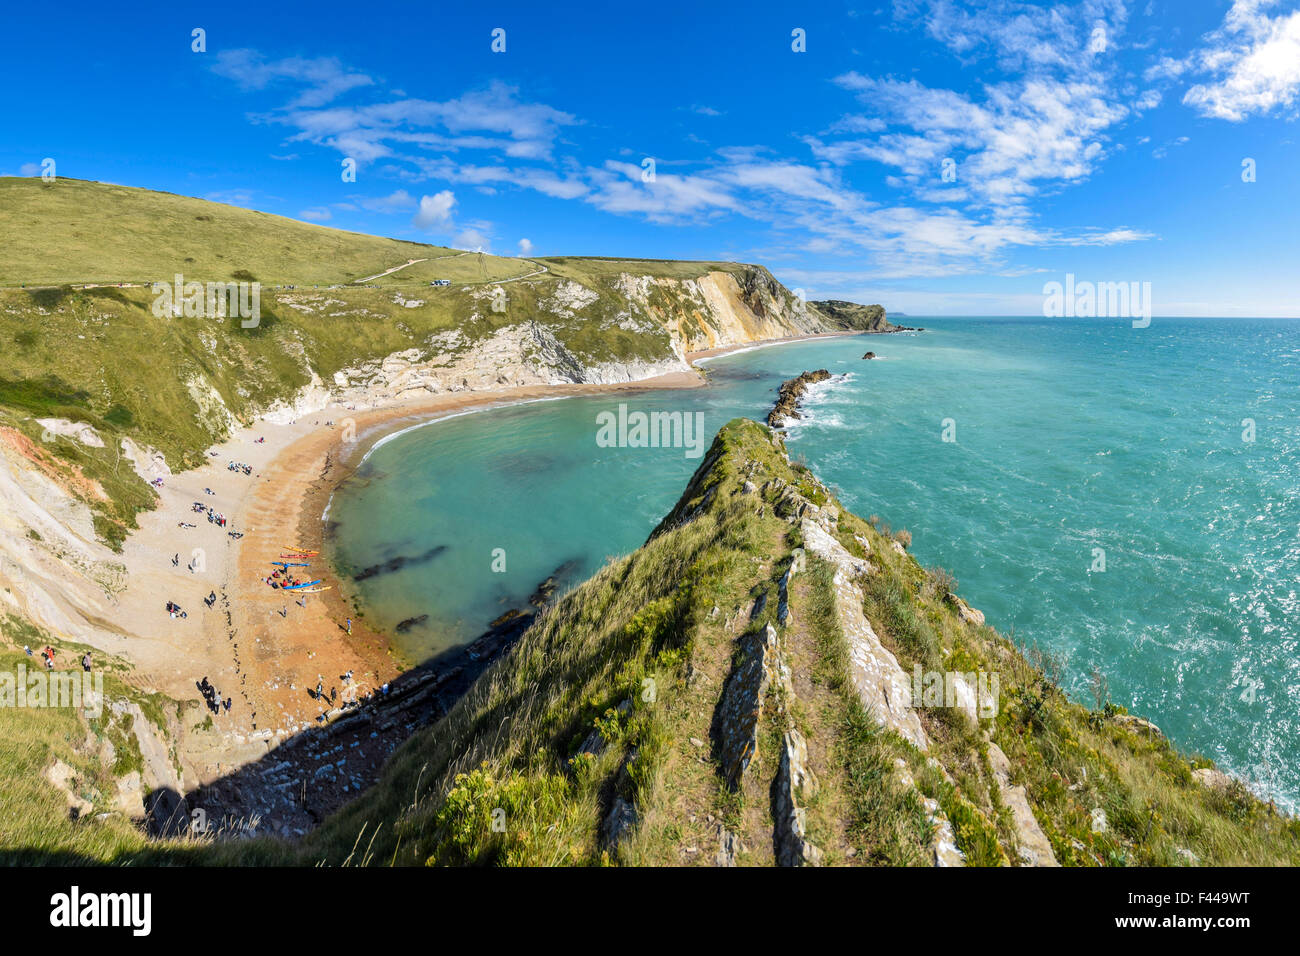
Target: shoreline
x: 258, y: 644
x: 339, y: 460
x: 389, y: 422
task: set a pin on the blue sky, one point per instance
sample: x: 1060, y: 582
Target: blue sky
x: 1101, y: 138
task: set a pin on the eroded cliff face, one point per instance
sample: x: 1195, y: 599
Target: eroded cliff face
x: 626, y: 329
x: 721, y: 308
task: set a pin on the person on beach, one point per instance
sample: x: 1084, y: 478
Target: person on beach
x: 176, y: 559
x: 85, y: 662
x: 349, y: 625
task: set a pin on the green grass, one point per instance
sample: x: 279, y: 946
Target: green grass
x: 468, y: 267
x: 73, y: 231
x: 36, y: 824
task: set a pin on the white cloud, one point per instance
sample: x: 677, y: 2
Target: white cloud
x: 491, y: 119
x: 1023, y: 136
x: 670, y: 197
x: 317, y: 214
x: 323, y: 78
x: 472, y: 239
x: 1149, y: 100
x: 1255, y: 62
x: 434, y: 211
x: 398, y: 201
x: 231, y: 197
x: 1012, y: 140
x: 525, y: 247
x: 1160, y: 152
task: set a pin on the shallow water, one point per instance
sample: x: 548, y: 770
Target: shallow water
x: 1070, y: 436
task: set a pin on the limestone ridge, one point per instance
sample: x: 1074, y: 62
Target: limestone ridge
x: 789, y: 395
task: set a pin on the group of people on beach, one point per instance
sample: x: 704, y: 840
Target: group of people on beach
x: 214, y: 517
x: 239, y: 466
x: 282, y: 578
x: 174, y: 610
x: 212, y: 697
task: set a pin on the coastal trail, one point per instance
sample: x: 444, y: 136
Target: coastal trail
x: 388, y: 272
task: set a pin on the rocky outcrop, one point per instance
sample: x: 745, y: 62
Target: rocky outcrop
x: 943, y: 845
x: 742, y: 702
x: 883, y: 687
x: 789, y: 394
x: 795, y: 784
x: 1031, y: 842
x: 854, y: 317
x: 1212, y: 779
x: 965, y: 612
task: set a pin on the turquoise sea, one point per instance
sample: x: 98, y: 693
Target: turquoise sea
x: 1075, y: 441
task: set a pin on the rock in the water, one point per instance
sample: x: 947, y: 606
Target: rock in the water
x: 869, y: 355
x: 787, y: 398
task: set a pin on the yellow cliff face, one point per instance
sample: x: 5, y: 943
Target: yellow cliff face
x: 714, y: 310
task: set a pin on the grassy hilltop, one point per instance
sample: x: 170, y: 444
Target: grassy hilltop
x: 72, y: 231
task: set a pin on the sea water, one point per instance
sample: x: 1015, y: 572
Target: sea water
x: 1126, y: 499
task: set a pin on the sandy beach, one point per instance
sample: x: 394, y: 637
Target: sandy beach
x: 262, y: 647
x: 258, y: 645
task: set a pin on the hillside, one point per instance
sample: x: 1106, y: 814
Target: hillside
x: 738, y: 692
x: 75, y: 347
